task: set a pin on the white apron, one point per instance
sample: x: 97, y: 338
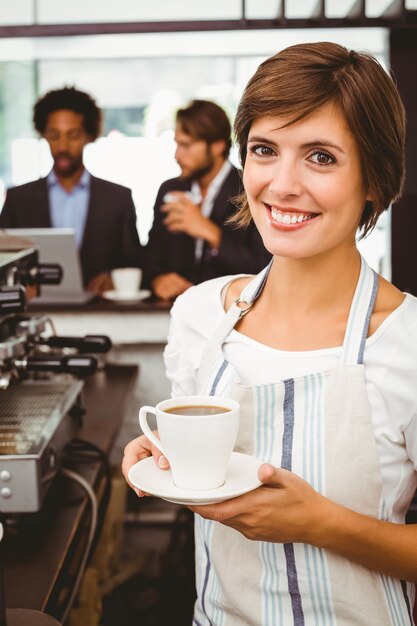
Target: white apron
x: 318, y: 426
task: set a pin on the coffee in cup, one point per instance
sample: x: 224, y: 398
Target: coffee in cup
x: 196, y: 435
x: 126, y: 280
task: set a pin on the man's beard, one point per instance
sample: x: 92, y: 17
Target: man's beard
x: 200, y: 172
x: 74, y: 165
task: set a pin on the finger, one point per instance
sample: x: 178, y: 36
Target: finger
x: 132, y: 454
x: 271, y: 475
x: 161, y: 460
x: 221, y: 511
x: 176, y: 228
x: 174, y: 220
x: 140, y: 493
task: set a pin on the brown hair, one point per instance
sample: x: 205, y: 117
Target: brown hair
x: 205, y: 120
x: 300, y: 79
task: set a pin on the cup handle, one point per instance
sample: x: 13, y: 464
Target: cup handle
x: 145, y: 427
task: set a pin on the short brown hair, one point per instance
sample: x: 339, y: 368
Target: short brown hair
x: 206, y: 121
x: 300, y: 79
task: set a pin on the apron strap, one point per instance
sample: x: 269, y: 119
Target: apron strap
x: 359, y: 316
x: 213, y: 361
x: 213, y: 365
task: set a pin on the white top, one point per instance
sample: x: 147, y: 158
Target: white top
x: 390, y: 362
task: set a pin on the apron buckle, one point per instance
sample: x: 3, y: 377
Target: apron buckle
x: 243, y: 309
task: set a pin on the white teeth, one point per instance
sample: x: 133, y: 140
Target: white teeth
x: 286, y: 218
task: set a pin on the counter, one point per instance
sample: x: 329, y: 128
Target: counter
x: 142, y: 322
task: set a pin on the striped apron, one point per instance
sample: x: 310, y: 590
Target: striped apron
x: 318, y: 426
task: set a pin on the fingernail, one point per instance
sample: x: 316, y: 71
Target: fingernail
x: 163, y: 461
x: 139, y: 493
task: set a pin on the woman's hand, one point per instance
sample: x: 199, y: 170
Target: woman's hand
x: 138, y: 449
x: 285, y: 509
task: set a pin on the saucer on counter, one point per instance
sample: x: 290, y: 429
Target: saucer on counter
x: 241, y: 477
x: 117, y: 296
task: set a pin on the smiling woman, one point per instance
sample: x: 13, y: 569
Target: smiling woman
x: 303, y: 183
x: 289, y: 85
x: 319, y: 351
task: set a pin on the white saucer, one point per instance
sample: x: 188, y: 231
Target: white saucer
x: 241, y: 477
x: 116, y: 296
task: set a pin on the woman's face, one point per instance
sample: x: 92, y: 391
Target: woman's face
x: 304, y: 183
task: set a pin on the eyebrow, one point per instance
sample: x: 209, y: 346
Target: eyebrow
x: 311, y: 144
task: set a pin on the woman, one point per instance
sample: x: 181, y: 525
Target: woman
x: 320, y: 352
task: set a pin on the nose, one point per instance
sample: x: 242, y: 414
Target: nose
x: 285, y: 179
x: 62, y: 143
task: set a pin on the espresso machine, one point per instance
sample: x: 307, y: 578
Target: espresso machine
x: 41, y: 380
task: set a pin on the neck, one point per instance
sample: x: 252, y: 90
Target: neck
x: 69, y: 182
x: 300, y: 286
x: 205, y: 180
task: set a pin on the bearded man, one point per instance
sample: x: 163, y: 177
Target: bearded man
x: 190, y: 240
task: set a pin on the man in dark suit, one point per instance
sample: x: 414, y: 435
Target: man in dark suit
x: 102, y: 213
x: 190, y: 240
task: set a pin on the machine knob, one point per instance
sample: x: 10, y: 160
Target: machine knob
x: 97, y: 344
x: 76, y: 365
x: 12, y: 299
x: 44, y: 274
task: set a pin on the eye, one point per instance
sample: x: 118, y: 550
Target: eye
x: 261, y: 150
x: 320, y: 157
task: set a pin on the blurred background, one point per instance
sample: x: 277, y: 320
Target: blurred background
x: 140, y: 78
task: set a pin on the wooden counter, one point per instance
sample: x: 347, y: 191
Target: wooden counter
x: 40, y: 560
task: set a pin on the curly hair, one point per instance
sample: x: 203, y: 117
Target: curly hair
x: 300, y: 79
x: 70, y: 99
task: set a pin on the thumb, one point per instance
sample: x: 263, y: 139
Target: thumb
x: 270, y: 475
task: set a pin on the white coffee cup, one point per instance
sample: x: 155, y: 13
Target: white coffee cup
x: 198, y: 447
x: 176, y: 195
x: 126, y: 280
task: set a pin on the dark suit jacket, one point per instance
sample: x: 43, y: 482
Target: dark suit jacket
x: 241, y: 250
x: 110, y: 237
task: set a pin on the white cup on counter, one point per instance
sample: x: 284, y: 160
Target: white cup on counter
x: 126, y: 280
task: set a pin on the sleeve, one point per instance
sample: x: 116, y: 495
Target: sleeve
x: 6, y: 215
x: 410, y: 436
x: 180, y: 369
x: 194, y: 318
x: 241, y: 250
x: 156, y: 261
x: 133, y: 253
